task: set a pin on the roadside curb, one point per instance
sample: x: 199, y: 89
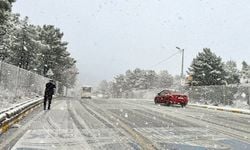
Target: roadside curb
x: 234, y: 110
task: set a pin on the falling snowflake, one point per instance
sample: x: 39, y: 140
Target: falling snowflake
x: 126, y: 115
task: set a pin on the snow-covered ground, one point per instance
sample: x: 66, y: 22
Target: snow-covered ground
x: 239, y: 104
x: 129, y: 124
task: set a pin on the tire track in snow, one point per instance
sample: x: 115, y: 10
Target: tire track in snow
x: 143, y: 142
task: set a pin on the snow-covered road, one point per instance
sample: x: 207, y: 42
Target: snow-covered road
x: 128, y: 124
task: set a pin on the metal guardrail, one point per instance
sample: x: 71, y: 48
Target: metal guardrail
x: 14, y: 106
x: 8, y: 116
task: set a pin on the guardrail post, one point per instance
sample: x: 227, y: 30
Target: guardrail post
x: 17, y: 82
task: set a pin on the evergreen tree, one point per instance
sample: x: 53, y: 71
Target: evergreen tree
x: 24, y: 47
x: 5, y: 8
x: 151, y: 79
x: 245, y: 72
x: 207, y: 69
x: 5, y: 11
x: 55, y: 56
x: 164, y: 79
x: 120, y: 85
x: 6, y: 32
x: 130, y: 79
x: 69, y: 76
x: 103, y: 87
x: 33, y: 47
x: 232, y: 73
x: 244, y: 65
x: 140, y: 79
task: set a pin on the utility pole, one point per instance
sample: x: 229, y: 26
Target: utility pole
x: 182, y: 60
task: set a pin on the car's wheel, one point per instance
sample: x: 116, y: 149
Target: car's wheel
x: 183, y: 105
x: 167, y: 103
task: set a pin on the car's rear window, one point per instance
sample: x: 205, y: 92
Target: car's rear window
x: 164, y: 92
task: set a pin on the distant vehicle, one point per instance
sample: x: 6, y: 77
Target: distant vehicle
x: 86, y: 92
x: 169, y: 97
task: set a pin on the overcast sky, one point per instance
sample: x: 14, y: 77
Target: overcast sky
x: 107, y: 37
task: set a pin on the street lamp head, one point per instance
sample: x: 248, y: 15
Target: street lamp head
x: 178, y: 47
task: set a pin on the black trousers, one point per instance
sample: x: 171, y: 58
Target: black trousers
x: 47, y: 98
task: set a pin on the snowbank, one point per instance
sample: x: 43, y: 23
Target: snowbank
x: 228, y: 109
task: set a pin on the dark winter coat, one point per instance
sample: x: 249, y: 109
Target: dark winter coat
x: 50, y: 88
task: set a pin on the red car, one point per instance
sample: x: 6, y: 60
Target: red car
x: 169, y: 97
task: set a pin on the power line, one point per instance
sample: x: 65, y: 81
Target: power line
x: 165, y: 59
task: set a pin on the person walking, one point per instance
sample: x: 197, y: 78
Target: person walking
x: 49, y: 92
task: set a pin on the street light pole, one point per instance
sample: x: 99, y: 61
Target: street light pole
x: 182, y: 60
x: 182, y: 63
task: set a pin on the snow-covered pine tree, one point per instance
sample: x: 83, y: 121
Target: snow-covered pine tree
x: 70, y: 76
x: 165, y: 80
x: 103, y: 87
x: 56, y: 56
x: 232, y: 73
x: 140, y: 79
x: 33, y: 47
x: 5, y: 8
x: 5, y: 12
x: 207, y: 69
x: 25, y: 45
x: 120, y: 85
x: 151, y: 79
x: 245, y: 73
